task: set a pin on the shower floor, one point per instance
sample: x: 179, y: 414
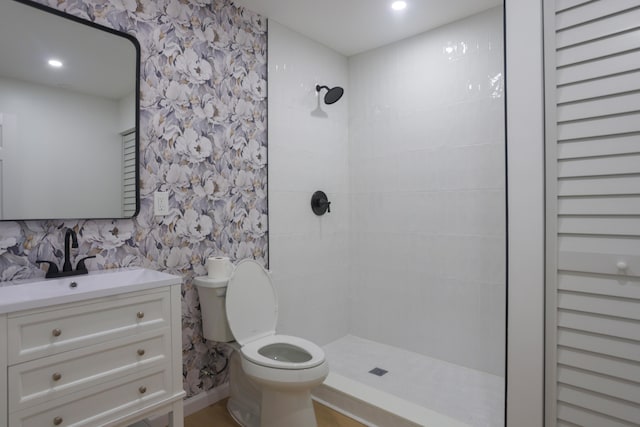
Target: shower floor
x: 476, y: 398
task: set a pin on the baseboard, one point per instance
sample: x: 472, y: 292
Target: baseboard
x: 194, y: 404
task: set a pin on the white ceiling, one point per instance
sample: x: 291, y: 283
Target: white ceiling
x: 354, y: 26
x: 96, y: 62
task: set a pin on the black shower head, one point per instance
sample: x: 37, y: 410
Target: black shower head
x: 332, y: 95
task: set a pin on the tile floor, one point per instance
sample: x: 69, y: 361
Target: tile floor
x: 471, y: 396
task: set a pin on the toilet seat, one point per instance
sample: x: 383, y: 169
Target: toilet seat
x: 252, y: 351
x: 252, y: 313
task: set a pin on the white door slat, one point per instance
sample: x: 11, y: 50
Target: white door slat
x: 599, y: 186
x: 605, y: 405
x: 620, y: 328
x: 598, y: 29
x: 603, y: 146
x: 622, y: 226
x: 597, y: 49
x: 599, y: 126
x: 567, y: 4
x: 594, y: 166
x: 606, y: 86
x: 601, y: 285
x: 585, y: 418
x: 599, y: 304
x: 591, y: 11
x: 603, y: 385
x: 621, y: 104
x: 600, y: 263
x: 600, y: 68
x: 603, y: 365
x: 600, y: 206
x: 596, y: 344
x: 600, y: 245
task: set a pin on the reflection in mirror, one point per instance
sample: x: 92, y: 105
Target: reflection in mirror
x: 68, y: 116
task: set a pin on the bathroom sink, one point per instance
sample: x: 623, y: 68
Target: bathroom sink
x: 34, y: 293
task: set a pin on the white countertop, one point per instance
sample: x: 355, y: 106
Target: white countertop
x: 36, y: 293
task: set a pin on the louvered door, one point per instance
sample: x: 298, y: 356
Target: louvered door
x: 129, y: 174
x: 592, y: 79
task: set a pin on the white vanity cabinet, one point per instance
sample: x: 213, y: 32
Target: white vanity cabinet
x: 108, y: 358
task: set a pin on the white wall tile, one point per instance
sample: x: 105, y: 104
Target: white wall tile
x: 308, y: 253
x: 412, y: 159
x: 427, y: 178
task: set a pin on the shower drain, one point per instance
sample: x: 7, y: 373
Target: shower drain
x: 378, y: 371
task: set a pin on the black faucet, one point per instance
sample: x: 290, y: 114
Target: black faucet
x: 70, y: 241
x: 68, y: 236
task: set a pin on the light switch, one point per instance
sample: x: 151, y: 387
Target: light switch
x: 161, y: 203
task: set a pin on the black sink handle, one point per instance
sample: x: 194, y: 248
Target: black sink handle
x: 53, y: 268
x: 80, y: 266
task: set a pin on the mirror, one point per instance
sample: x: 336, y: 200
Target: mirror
x: 68, y: 129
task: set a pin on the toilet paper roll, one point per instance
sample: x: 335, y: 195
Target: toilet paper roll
x: 219, y: 267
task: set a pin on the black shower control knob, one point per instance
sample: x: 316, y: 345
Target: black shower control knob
x: 320, y: 204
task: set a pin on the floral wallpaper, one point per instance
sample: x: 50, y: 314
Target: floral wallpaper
x: 202, y: 138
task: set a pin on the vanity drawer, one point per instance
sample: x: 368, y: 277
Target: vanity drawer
x: 51, y: 377
x: 97, y: 406
x: 67, y: 327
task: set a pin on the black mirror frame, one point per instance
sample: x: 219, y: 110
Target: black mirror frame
x: 136, y: 45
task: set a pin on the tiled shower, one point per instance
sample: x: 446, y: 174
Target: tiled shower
x: 412, y: 255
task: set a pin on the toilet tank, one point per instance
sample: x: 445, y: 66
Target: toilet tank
x: 212, y: 294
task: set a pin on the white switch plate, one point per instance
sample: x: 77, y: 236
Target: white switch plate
x: 161, y: 203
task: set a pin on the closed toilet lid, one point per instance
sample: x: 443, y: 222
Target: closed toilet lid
x: 252, y: 304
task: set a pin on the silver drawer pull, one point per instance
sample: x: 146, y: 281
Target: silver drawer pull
x: 142, y: 389
x: 56, y: 332
x: 57, y: 421
x: 56, y: 376
x: 140, y: 314
x: 141, y: 352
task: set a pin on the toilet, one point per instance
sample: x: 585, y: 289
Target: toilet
x: 272, y: 385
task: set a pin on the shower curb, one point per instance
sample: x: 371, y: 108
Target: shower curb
x: 376, y: 408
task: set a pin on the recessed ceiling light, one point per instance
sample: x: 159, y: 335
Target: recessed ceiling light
x: 398, y: 5
x: 55, y: 63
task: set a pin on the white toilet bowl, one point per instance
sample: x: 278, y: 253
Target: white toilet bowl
x: 284, y: 368
x: 274, y: 363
